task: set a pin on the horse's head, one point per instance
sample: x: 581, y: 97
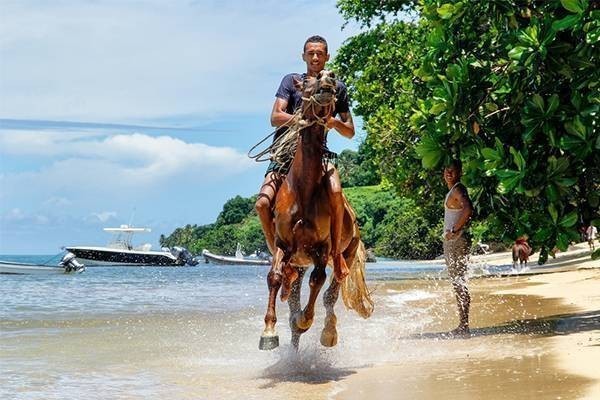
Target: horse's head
x: 318, y: 98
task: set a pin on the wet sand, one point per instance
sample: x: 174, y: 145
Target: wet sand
x: 541, y: 334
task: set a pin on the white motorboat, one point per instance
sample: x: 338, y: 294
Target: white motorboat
x: 67, y: 265
x: 120, y: 251
x: 238, y: 259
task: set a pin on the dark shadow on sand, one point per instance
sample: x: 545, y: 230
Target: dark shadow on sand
x: 561, y: 324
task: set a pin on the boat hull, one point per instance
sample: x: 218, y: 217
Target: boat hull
x: 14, y: 268
x: 91, y: 256
x: 218, y: 259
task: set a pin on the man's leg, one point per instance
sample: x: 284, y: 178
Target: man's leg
x: 264, y: 207
x: 336, y: 200
x: 456, y: 254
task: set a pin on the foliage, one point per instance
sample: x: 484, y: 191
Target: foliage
x: 393, y: 227
x: 358, y: 168
x: 235, y: 210
x: 510, y: 88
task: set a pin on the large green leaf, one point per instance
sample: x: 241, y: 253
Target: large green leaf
x: 576, y: 128
x: 491, y: 154
x: 562, y: 241
x: 430, y: 151
x: 446, y: 11
x: 518, y: 159
x: 568, y: 220
x: 553, y: 103
x: 575, y: 6
x: 553, y: 213
x: 516, y: 53
x: 567, y: 22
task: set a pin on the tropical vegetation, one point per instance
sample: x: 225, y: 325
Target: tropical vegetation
x: 509, y: 87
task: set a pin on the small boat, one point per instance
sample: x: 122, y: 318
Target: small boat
x: 238, y: 259
x: 67, y: 265
x: 120, y: 251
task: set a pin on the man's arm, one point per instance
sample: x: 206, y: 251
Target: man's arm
x: 467, y: 206
x: 344, y: 125
x: 279, y: 116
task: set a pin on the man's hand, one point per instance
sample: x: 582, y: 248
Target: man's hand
x: 330, y: 124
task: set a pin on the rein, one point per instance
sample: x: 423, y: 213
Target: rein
x: 284, y: 147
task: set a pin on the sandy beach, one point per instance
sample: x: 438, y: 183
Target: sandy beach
x: 541, y: 333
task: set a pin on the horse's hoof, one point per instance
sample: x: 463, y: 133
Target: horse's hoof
x: 328, y: 339
x: 268, y: 342
x: 301, y: 324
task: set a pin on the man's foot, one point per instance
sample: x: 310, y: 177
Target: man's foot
x: 461, y: 331
x: 340, y: 269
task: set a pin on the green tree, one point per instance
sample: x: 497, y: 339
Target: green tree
x: 358, y: 168
x: 235, y: 210
x: 510, y: 88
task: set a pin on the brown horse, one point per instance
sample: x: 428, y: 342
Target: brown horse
x: 303, y: 223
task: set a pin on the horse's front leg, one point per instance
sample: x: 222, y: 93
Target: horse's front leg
x: 295, y: 308
x: 269, y: 338
x: 304, y: 319
x: 329, y: 334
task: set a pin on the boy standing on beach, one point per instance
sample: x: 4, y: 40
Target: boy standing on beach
x: 591, y: 233
x: 288, y: 99
x: 457, y: 213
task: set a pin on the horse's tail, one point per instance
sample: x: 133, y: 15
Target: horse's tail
x: 355, y: 293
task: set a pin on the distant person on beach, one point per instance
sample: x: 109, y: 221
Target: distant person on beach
x: 591, y: 232
x: 457, y: 213
x: 521, y: 250
x: 288, y: 100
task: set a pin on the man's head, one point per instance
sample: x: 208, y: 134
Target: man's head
x: 452, y: 172
x: 315, y: 54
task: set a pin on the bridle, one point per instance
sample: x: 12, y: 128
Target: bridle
x: 315, y: 100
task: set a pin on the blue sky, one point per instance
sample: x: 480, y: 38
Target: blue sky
x: 141, y: 111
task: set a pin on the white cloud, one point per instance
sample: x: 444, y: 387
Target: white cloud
x: 132, y: 160
x: 114, y: 171
x: 104, y: 215
x: 125, y: 61
x: 18, y: 216
x: 57, y: 202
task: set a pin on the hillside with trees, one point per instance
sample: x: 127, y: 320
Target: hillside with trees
x: 390, y: 225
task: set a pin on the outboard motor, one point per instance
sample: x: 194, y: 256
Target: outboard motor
x: 71, y: 264
x: 184, y: 256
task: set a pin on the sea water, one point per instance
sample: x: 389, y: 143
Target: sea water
x: 182, y: 332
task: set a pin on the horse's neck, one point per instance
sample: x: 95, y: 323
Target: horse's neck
x: 306, y: 171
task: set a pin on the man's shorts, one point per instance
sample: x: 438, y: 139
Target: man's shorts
x: 456, y: 253
x: 328, y: 157
x: 279, y: 168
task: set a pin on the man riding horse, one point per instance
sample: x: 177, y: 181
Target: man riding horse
x: 306, y: 218
x: 288, y: 101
